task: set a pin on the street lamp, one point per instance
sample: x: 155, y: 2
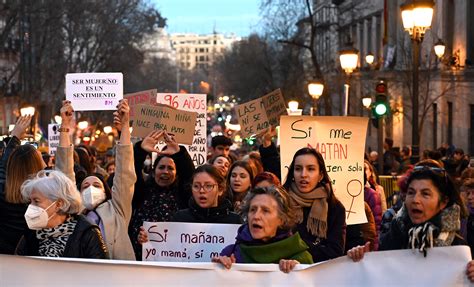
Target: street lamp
x: 366, y: 102
x: 439, y: 48
x: 348, y: 57
x: 27, y: 111
x: 370, y: 59
x: 416, y: 16
x: 315, y: 90
x: 293, y: 108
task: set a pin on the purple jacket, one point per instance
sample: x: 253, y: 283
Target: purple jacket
x: 373, y: 200
x: 244, y: 236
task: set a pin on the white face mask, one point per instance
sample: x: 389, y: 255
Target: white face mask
x: 37, y: 217
x: 147, y: 162
x: 92, y: 196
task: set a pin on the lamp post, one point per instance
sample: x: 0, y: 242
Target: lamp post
x: 348, y: 57
x: 315, y: 90
x: 439, y: 48
x: 369, y: 58
x: 416, y: 16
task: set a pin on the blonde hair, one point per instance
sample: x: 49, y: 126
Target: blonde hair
x: 23, y: 162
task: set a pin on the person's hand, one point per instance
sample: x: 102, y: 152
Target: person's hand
x: 66, y: 114
x: 267, y: 136
x: 150, y: 141
x: 122, y: 115
x: 357, y: 253
x: 287, y: 265
x: 172, y: 146
x: 470, y: 270
x: 21, y: 125
x: 224, y: 260
x: 142, y: 236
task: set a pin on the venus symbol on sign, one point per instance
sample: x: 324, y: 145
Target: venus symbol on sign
x: 354, y: 188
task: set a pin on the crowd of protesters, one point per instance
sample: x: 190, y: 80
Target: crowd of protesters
x: 87, y: 206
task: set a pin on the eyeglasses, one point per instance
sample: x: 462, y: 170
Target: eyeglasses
x: 437, y: 170
x: 207, y: 187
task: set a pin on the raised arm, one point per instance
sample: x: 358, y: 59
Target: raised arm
x: 125, y: 177
x: 269, y: 153
x: 65, y: 150
x: 17, y: 134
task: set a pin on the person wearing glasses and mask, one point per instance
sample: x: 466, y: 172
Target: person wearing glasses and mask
x: 430, y: 216
x: 208, y: 203
x: 111, y: 210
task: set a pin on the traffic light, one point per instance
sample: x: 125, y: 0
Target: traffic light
x: 380, y: 108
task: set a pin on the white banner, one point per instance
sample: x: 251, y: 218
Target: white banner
x: 94, y: 91
x: 341, y: 142
x: 53, y: 138
x: 443, y: 266
x: 191, y: 103
x: 186, y: 242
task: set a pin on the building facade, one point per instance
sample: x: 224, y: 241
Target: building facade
x: 200, y: 51
x: 446, y: 100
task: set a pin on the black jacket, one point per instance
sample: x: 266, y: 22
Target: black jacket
x: 270, y: 159
x: 220, y: 214
x: 184, y: 173
x: 12, y: 220
x: 85, y: 242
x: 333, y: 245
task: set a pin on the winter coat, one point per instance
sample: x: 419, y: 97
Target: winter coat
x: 332, y: 246
x: 397, y: 236
x: 359, y: 234
x: 284, y: 245
x: 220, y: 214
x: 12, y: 216
x: 85, y: 242
x: 115, y: 213
x: 158, y: 204
x: 373, y: 200
x: 270, y: 159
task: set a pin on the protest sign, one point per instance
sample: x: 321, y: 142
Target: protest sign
x: 186, y: 242
x: 260, y: 114
x: 191, y: 103
x: 94, y: 91
x: 179, y: 124
x: 53, y: 138
x: 443, y: 266
x: 143, y: 97
x: 341, y: 142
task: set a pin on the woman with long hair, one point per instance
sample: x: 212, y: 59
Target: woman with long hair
x: 239, y: 182
x: 16, y: 165
x: 320, y: 216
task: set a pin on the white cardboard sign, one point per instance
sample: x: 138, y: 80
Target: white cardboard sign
x: 191, y: 103
x: 186, y: 242
x: 53, y: 138
x: 341, y: 142
x: 94, y: 91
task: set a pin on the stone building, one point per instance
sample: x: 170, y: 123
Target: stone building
x: 200, y: 51
x: 446, y: 100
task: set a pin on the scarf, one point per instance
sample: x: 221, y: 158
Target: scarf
x: 318, y: 214
x: 438, y: 231
x: 52, y: 241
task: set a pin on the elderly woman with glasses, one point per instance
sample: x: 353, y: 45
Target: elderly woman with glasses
x: 266, y: 237
x: 430, y: 216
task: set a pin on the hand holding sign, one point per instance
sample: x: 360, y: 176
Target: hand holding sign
x: 66, y: 114
x: 122, y: 115
x: 267, y: 136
